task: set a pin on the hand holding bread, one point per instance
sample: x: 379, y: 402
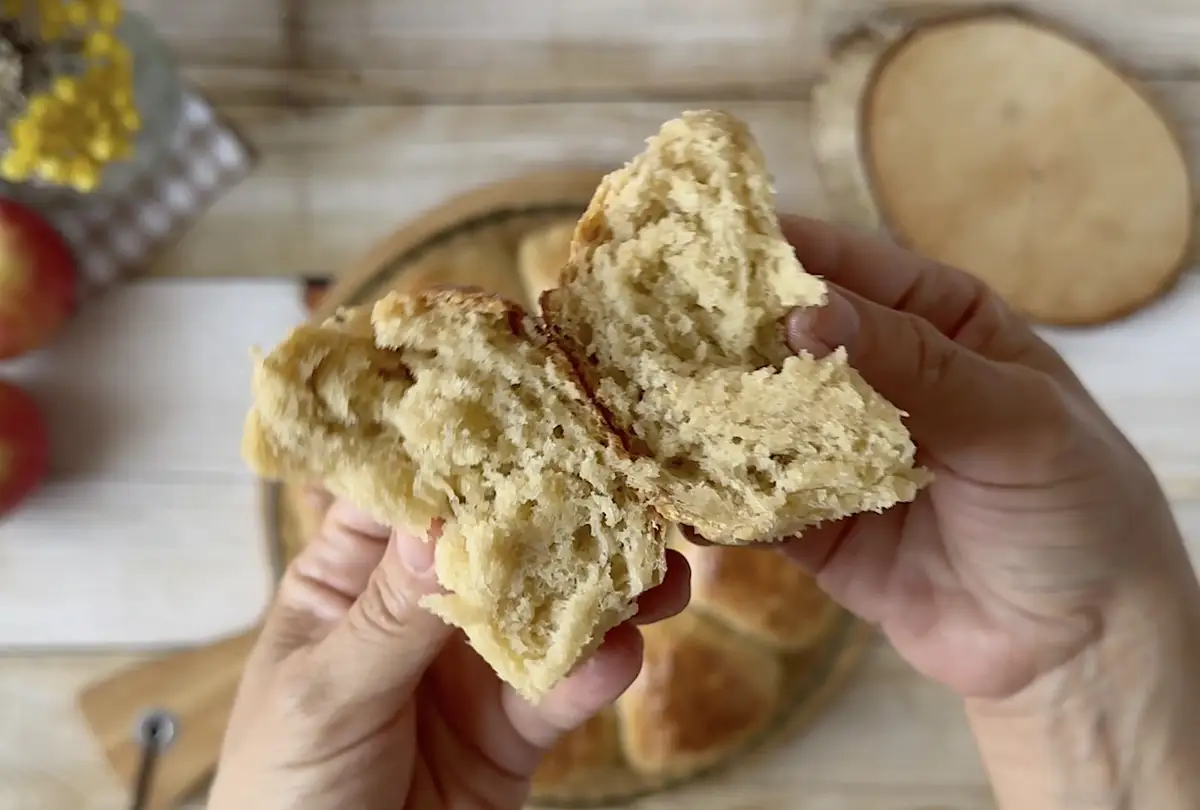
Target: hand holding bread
x: 687, y: 369
x: 1041, y: 575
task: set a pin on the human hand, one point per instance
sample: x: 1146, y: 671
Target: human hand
x: 355, y: 698
x: 1043, y: 533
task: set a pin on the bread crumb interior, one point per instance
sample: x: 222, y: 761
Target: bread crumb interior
x: 683, y: 281
x: 544, y: 548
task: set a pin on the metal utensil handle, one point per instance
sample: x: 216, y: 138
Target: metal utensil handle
x: 154, y: 733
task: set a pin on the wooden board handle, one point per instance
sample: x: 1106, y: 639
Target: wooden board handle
x: 196, y: 687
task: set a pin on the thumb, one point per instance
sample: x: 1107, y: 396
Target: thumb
x: 955, y: 398
x: 382, y: 646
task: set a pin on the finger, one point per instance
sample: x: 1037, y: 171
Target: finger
x: 960, y: 405
x: 319, y: 586
x: 956, y: 303
x: 851, y: 559
x: 340, y: 560
x: 596, y: 683
x: 670, y: 596
x: 318, y: 498
x: 379, y: 649
x: 812, y: 549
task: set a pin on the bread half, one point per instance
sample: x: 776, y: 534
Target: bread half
x: 454, y: 407
x: 664, y: 730
x: 673, y: 298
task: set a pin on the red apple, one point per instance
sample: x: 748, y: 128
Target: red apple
x: 24, y: 446
x: 38, y: 280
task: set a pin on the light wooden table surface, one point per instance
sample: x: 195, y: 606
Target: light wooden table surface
x: 367, y: 112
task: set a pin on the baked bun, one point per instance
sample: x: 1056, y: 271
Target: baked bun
x: 673, y: 297
x: 453, y: 406
x: 718, y: 680
x: 542, y: 256
x: 703, y: 690
x: 582, y: 759
x: 758, y: 593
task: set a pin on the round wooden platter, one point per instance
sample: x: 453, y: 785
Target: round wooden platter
x: 996, y: 142
x: 485, y: 239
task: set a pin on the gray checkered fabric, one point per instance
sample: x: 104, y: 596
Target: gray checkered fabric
x: 115, y: 234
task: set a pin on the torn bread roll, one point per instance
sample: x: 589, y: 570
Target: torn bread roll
x: 449, y: 406
x: 672, y: 303
x: 659, y: 385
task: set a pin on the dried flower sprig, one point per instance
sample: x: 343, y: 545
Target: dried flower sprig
x: 79, y: 122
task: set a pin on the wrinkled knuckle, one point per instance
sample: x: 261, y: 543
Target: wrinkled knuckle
x: 384, y: 605
x: 991, y: 328
x: 306, y: 590
x: 1058, y: 428
x: 935, y: 361
x: 982, y: 325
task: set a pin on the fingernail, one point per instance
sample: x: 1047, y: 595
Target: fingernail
x: 415, y: 553
x: 820, y: 330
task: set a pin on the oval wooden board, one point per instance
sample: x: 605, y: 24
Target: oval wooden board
x: 998, y: 142
x: 475, y: 240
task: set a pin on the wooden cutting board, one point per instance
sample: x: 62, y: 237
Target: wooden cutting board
x: 471, y: 240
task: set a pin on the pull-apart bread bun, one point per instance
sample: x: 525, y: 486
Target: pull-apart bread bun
x: 672, y: 300
x: 707, y: 689
x: 454, y: 406
x: 664, y: 341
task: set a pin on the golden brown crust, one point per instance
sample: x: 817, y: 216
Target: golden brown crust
x: 581, y: 759
x: 760, y: 594
x: 589, y: 377
x: 703, y: 691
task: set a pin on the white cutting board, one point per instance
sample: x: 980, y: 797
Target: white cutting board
x: 148, y: 532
